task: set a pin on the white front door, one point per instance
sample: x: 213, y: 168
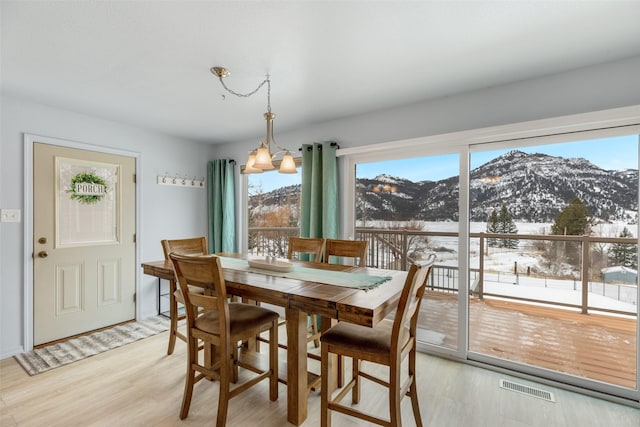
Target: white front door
x: 83, y: 240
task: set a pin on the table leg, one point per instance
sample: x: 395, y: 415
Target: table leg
x: 297, y: 393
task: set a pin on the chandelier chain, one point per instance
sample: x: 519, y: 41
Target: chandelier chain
x: 253, y: 92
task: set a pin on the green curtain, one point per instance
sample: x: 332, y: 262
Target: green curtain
x: 222, y: 205
x: 319, y: 205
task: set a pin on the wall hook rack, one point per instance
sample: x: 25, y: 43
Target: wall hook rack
x: 180, y: 181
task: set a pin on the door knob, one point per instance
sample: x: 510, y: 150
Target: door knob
x: 43, y: 254
x: 42, y: 240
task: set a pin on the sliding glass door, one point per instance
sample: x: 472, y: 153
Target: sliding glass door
x: 537, y: 250
x: 406, y: 209
x: 554, y: 242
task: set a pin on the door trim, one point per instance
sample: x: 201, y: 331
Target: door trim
x: 29, y: 140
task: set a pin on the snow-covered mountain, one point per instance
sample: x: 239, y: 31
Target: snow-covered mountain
x: 534, y: 187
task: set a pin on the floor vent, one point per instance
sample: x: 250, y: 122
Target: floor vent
x: 530, y: 391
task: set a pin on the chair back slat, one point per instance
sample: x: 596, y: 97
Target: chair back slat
x: 305, y: 245
x: 206, y: 302
x: 346, y: 249
x: 190, y: 246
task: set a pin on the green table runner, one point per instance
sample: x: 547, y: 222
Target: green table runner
x: 338, y: 278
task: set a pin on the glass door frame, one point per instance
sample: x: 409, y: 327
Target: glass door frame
x: 606, y: 123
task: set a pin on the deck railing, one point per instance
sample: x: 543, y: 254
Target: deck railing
x: 398, y: 248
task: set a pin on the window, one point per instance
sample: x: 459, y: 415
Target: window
x: 406, y: 209
x: 273, y: 208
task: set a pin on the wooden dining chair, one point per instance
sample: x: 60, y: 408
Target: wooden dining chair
x: 313, y: 247
x: 346, y: 249
x: 190, y: 246
x: 305, y: 245
x: 355, y: 250
x: 389, y: 343
x: 222, y: 324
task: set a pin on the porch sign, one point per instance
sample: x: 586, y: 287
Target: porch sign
x: 86, y: 203
x: 87, y: 188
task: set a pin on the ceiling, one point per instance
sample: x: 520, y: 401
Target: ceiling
x: 147, y: 63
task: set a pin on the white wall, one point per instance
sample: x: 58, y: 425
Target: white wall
x: 166, y: 212
x: 602, y: 87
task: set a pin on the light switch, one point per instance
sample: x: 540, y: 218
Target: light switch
x: 10, y: 215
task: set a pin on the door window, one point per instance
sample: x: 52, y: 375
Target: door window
x: 86, y: 203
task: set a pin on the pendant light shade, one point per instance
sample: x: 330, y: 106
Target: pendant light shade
x: 263, y: 158
x: 249, y: 166
x: 288, y: 165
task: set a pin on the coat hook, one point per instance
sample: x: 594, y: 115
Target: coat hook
x: 180, y: 179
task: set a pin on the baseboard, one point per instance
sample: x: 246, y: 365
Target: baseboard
x: 12, y: 352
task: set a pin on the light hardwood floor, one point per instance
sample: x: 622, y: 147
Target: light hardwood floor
x: 139, y: 385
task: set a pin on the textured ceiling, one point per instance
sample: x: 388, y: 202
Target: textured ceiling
x: 147, y: 63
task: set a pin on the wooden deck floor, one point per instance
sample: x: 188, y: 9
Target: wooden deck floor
x: 595, y: 346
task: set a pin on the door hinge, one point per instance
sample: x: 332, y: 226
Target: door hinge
x: 134, y: 297
x: 134, y: 237
x: 134, y: 178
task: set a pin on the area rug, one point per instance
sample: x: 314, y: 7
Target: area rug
x: 56, y: 355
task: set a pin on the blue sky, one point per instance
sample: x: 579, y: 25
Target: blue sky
x: 272, y: 180
x: 614, y: 153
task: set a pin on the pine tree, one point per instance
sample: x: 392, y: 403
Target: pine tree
x: 506, y: 225
x: 573, y: 220
x: 502, y: 223
x: 624, y: 254
x: 492, y: 227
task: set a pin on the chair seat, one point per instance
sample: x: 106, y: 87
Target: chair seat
x: 362, y: 340
x: 242, y: 318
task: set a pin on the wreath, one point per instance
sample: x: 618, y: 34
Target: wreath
x: 87, y: 178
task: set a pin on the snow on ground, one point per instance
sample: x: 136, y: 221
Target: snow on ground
x: 533, y: 288
x: 500, y: 264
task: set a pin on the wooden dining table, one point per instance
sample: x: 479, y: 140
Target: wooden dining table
x: 300, y: 298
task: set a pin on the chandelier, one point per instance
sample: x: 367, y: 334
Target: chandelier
x: 261, y: 158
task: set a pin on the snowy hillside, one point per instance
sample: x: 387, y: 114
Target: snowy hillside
x: 534, y: 187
